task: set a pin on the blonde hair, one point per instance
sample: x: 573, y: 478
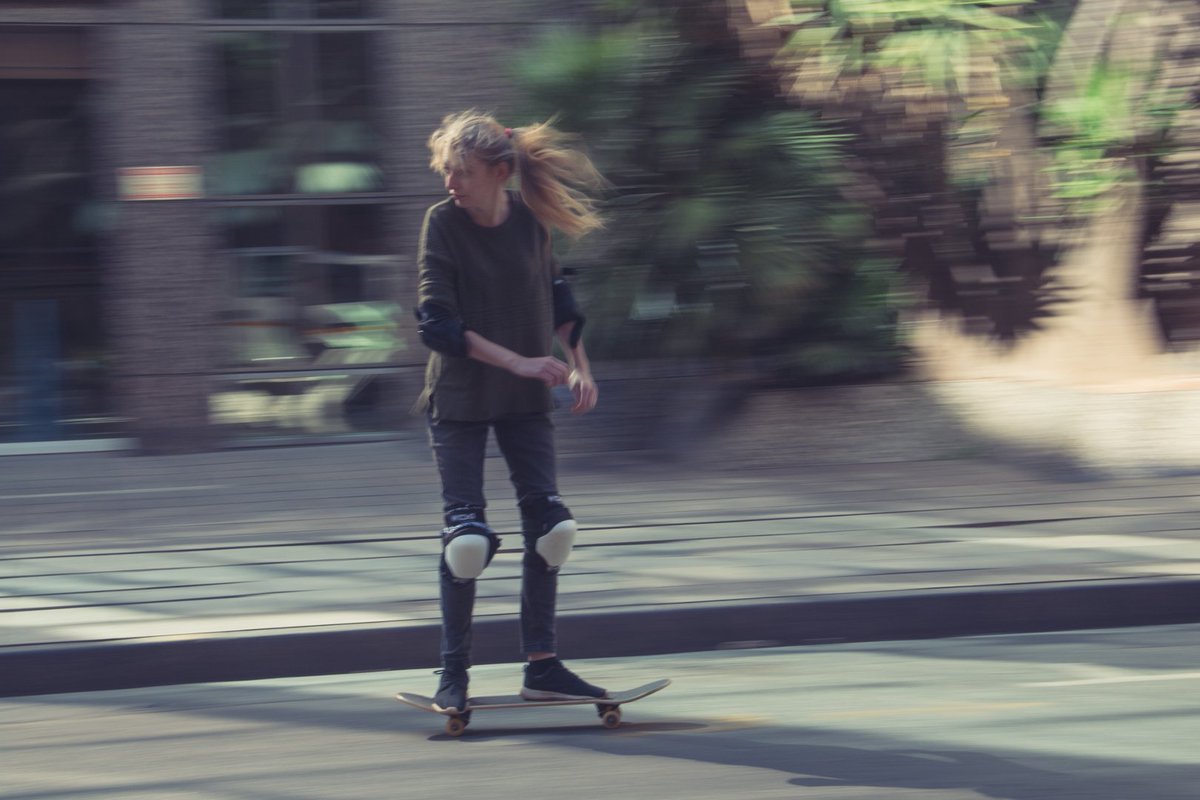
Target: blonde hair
x: 556, y: 178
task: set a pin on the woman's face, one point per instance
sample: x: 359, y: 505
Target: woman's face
x: 475, y: 185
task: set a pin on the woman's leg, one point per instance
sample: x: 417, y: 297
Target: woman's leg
x: 527, y: 442
x: 549, y: 531
x: 458, y: 449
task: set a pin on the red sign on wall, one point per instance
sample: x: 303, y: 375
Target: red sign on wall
x: 161, y: 183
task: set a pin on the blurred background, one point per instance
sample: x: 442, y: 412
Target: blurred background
x: 916, y: 227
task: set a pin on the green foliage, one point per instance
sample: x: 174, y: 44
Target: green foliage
x: 1112, y: 115
x: 960, y: 103
x: 729, y: 231
x: 853, y: 334
x: 932, y: 43
x: 952, y: 62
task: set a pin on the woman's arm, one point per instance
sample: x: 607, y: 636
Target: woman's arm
x: 580, y: 377
x: 547, y: 369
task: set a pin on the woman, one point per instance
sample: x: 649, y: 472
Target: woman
x: 491, y: 300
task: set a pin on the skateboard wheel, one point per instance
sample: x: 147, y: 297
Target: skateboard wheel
x: 611, y: 718
x: 455, y: 726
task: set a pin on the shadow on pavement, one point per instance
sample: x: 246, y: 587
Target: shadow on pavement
x: 809, y: 756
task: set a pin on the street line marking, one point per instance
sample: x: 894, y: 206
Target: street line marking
x: 949, y: 708
x: 1173, y: 676
x: 113, y: 491
x: 1085, y: 542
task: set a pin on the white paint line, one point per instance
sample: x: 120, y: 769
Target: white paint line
x: 1084, y: 542
x: 87, y: 625
x: 1170, y: 676
x: 67, y: 446
x: 945, y: 709
x: 112, y: 492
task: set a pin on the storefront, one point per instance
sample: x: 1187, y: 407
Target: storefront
x: 54, y: 357
x: 210, y: 210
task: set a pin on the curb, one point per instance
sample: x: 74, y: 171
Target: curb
x: 674, y: 629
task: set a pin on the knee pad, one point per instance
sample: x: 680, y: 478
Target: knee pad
x: 468, y: 544
x: 556, y: 544
x: 550, y: 529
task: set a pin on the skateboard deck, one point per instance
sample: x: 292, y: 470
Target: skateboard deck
x: 609, y: 708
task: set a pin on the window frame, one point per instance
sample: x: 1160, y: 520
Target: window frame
x: 227, y: 372
x: 303, y: 242
x: 373, y: 16
x: 284, y: 87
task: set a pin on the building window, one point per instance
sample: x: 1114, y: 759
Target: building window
x: 311, y: 325
x: 311, y: 330
x: 296, y: 114
x: 292, y: 9
x: 54, y: 358
x: 309, y: 287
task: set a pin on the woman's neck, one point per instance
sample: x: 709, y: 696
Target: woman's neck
x: 493, y: 214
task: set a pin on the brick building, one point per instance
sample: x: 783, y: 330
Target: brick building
x: 208, y: 211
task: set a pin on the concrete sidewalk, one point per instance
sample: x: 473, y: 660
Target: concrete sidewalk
x: 125, y: 571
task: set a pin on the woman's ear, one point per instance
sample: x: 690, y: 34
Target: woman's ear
x: 504, y: 170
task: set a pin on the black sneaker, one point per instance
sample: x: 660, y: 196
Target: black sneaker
x: 452, y: 691
x: 550, y: 680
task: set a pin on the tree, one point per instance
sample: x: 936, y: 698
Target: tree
x: 734, y: 227
x: 1039, y: 190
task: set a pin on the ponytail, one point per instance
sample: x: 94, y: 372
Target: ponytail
x: 557, y: 179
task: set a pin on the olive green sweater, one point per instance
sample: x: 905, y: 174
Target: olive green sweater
x: 499, y: 282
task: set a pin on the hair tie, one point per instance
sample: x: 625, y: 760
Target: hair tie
x: 508, y: 132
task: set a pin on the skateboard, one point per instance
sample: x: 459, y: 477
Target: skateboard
x: 609, y: 708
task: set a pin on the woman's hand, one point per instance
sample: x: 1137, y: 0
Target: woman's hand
x: 547, y: 369
x: 585, y: 391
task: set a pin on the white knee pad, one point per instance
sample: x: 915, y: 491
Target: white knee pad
x: 468, y: 551
x: 556, y: 544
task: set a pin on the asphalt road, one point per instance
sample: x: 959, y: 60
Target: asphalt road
x: 1100, y: 715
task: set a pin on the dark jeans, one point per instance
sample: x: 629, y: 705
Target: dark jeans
x: 527, y: 443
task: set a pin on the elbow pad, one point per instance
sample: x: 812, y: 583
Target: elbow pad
x: 565, y: 310
x: 441, y: 331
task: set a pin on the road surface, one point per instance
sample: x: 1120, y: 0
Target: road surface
x: 1099, y: 715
